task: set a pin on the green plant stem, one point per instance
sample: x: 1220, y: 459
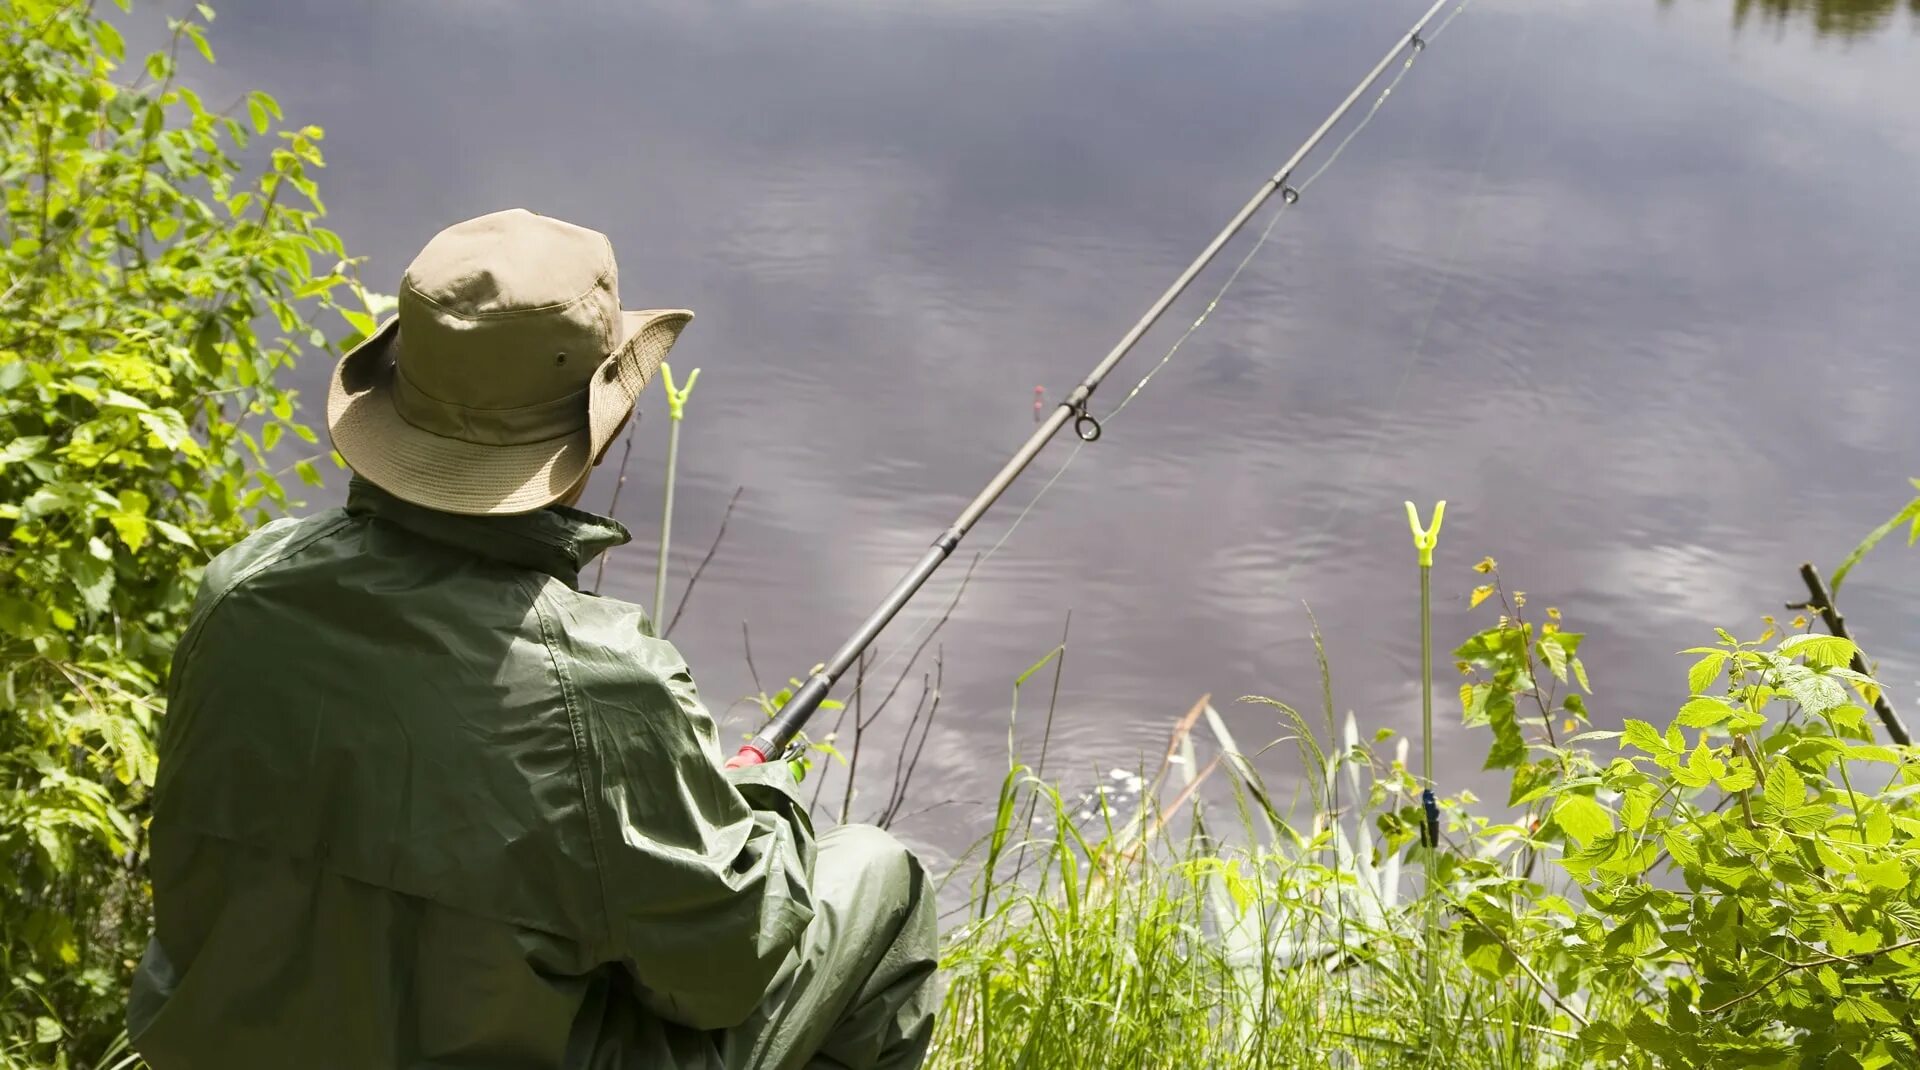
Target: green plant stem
x: 666, y: 521
x: 1521, y: 961
x: 1426, y: 772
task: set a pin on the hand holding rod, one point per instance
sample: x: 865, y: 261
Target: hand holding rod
x: 777, y: 733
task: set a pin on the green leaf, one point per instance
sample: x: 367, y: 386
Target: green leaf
x: 1739, y: 776
x: 111, y: 43
x: 174, y: 533
x: 1704, y: 712
x: 1680, y: 848
x: 22, y: 448
x: 310, y: 475
x: 1702, y: 767
x: 362, y: 323
x: 1642, y: 735
x: 1509, y: 745
x: 93, y: 578
x: 199, y: 39
x: 1869, y: 752
x: 1815, y: 691
x: 1555, y: 655
x: 1861, y: 1010
x: 1581, y: 818
x: 1824, y: 651
x: 1636, y: 808
x: 1890, y: 873
x: 1785, y: 788
x: 1705, y: 671
x: 1909, y: 512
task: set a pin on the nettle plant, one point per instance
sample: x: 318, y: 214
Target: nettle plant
x: 1744, y: 872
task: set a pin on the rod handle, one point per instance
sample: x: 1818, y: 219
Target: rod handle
x: 746, y: 756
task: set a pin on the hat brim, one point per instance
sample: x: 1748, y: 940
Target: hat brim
x: 478, y: 479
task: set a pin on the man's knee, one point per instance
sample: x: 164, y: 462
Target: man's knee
x: 866, y: 870
x: 869, y: 849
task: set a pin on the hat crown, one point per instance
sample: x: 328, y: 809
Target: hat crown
x: 508, y: 310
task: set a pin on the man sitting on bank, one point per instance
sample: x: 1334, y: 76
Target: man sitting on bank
x: 424, y: 803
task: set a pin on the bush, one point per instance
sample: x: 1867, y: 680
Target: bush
x: 149, y: 297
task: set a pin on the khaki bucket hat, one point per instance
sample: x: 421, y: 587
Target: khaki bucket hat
x: 506, y: 371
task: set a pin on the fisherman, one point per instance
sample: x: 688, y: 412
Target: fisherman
x: 423, y: 802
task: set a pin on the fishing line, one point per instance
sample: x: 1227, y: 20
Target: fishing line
x: 1266, y: 232
x: 774, y: 737
x: 1419, y: 345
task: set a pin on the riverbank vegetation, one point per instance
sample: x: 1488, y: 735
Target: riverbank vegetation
x: 1731, y: 885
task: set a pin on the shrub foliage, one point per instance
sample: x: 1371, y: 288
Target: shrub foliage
x: 151, y: 290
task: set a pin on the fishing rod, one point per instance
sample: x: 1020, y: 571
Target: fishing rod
x: 774, y: 737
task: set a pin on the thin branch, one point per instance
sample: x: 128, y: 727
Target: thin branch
x: 945, y: 616
x: 1521, y: 959
x: 859, y: 728
x: 1792, y: 967
x: 747, y: 642
x: 1822, y: 603
x: 903, y: 780
x: 688, y: 591
x: 613, y: 507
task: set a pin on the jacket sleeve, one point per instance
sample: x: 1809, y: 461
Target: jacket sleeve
x: 704, y: 871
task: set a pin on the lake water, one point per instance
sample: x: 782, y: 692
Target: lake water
x: 1631, y: 284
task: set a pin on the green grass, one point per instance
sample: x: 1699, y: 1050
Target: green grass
x: 1123, y: 948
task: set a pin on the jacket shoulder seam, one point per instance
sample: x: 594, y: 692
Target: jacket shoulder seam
x: 195, y: 625
x: 581, y: 747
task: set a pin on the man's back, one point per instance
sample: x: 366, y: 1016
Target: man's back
x: 399, y: 765
x: 422, y: 803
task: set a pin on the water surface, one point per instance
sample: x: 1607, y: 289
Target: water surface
x: 1631, y: 285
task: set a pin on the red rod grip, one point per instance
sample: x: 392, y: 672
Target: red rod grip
x: 746, y: 756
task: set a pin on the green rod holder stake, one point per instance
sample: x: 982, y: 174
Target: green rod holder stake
x: 676, y: 410
x: 1424, y: 540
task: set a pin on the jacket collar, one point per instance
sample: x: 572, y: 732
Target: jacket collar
x: 556, y: 540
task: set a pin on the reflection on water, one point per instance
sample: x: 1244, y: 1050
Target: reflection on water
x: 1828, y: 18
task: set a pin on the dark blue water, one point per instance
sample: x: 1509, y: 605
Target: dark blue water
x: 1630, y: 284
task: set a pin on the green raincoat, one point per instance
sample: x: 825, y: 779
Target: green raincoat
x: 423, y: 803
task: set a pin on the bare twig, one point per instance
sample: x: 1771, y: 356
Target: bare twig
x: 1825, y: 960
x: 747, y: 642
x: 613, y: 507
x: 717, y: 536
x: 945, y: 616
x: 859, y: 728
x: 902, y: 780
x: 863, y: 720
x: 1822, y: 603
